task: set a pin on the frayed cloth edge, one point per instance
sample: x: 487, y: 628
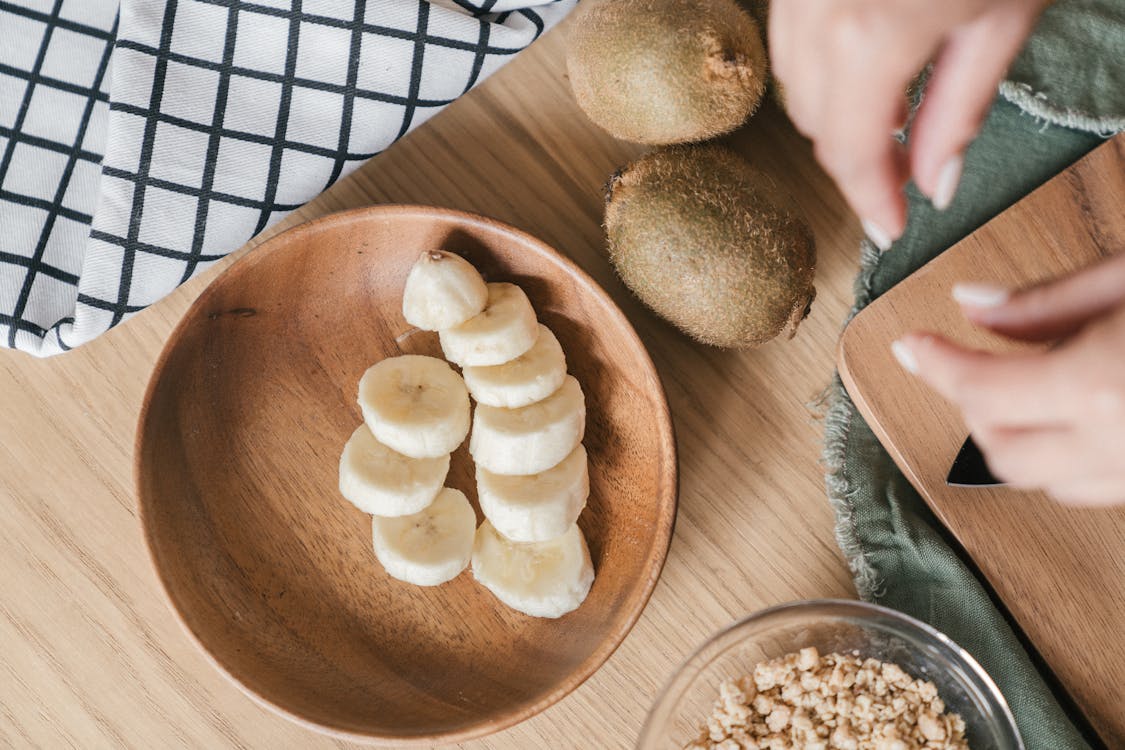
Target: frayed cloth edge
x: 1038, y: 104
x: 837, y: 426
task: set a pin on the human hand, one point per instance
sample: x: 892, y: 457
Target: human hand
x: 1051, y: 419
x: 845, y: 65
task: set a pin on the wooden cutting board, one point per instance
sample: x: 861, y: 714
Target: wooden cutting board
x: 1060, y: 571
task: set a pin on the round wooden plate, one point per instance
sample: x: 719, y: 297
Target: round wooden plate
x: 272, y: 571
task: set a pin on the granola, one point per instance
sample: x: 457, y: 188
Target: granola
x: 805, y: 701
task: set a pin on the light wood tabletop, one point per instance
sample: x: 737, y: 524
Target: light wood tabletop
x: 92, y: 657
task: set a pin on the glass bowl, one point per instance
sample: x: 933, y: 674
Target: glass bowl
x: 831, y: 625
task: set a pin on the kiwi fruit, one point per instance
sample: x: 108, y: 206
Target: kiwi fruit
x: 710, y: 244
x: 666, y: 71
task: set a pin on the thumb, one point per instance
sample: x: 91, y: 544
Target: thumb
x: 1052, y: 310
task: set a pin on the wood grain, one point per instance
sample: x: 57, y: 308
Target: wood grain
x: 1060, y: 571
x: 272, y: 571
x: 92, y: 656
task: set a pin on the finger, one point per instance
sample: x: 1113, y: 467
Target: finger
x: 1089, y: 492
x: 960, y: 91
x: 1037, y: 457
x: 1047, y: 311
x: 1028, y: 389
x: 872, y: 180
x: 855, y: 139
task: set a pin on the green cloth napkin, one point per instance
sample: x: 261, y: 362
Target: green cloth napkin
x: 1071, y: 70
x: 1065, y: 92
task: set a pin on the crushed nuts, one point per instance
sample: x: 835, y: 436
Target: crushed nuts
x: 805, y: 701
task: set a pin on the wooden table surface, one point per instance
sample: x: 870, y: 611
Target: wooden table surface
x: 90, y: 655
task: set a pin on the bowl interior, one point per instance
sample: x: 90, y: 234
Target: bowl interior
x: 840, y: 626
x: 272, y: 571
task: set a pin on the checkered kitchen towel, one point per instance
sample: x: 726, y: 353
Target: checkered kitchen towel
x: 142, y: 140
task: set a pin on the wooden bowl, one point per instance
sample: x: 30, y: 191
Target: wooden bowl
x: 272, y: 571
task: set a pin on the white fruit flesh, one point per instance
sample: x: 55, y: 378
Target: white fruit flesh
x: 530, y: 439
x: 541, y: 579
x: 384, y: 482
x: 415, y: 405
x: 429, y: 547
x: 537, y: 507
x: 531, y: 377
x: 504, y: 330
x: 442, y: 290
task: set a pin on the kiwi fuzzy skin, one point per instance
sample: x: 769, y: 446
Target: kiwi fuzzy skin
x: 708, y: 243
x: 666, y: 71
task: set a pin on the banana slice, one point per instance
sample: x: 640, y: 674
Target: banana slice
x: 428, y: 547
x: 538, y: 507
x: 415, y: 405
x: 383, y: 482
x: 531, y: 377
x: 531, y: 439
x: 442, y: 290
x: 503, y: 331
x: 541, y: 579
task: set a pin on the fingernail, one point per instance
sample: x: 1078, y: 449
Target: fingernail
x: 905, y: 356
x: 947, y: 182
x: 980, y: 295
x: 876, y: 234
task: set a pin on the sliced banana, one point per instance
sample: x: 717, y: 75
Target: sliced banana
x: 428, y: 547
x: 504, y: 330
x: 530, y: 377
x: 533, y: 438
x: 442, y: 290
x: 384, y: 482
x: 541, y: 579
x: 537, y: 507
x: 415, y: 405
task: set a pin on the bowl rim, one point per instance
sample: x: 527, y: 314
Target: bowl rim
x: 665, y: 525
x: 841, y: 607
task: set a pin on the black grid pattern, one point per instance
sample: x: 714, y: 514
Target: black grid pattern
x: 47, y: 168
x: 140, y: 143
